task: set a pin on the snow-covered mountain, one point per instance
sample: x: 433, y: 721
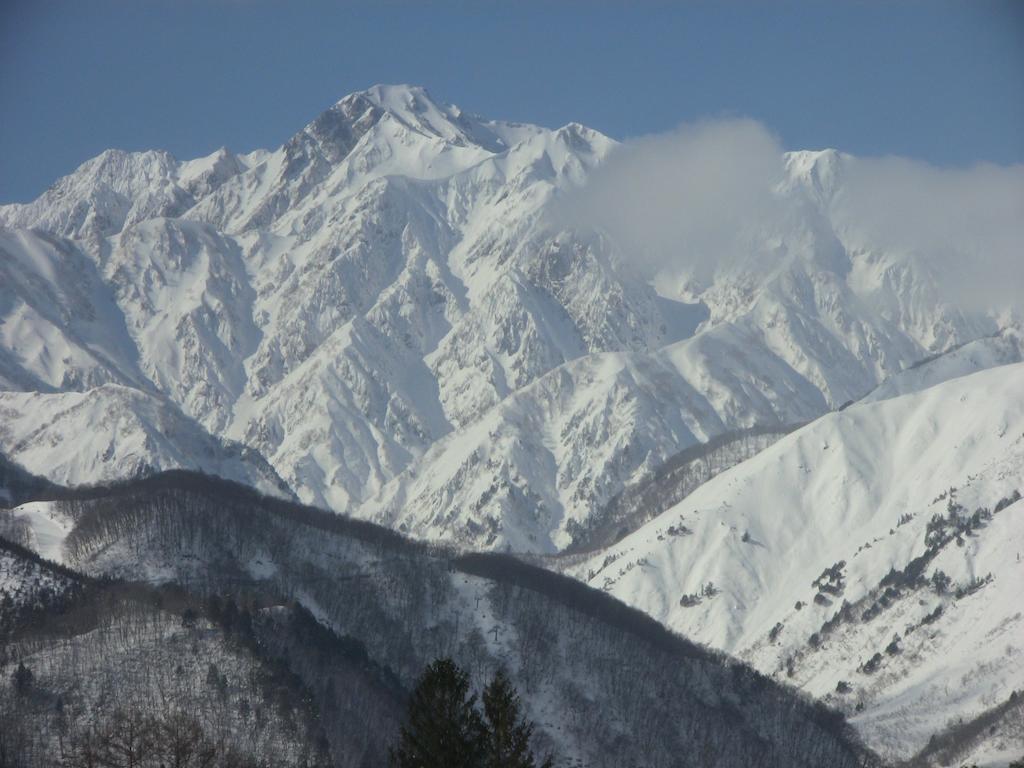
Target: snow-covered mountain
x: 872, y: 557
x: 387, y: 310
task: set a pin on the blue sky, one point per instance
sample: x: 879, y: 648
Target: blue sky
x: 942, y: 82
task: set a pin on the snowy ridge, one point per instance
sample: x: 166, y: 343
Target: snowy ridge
x: 114, y: 432
x: 61, y: 326
x: 802, y: 559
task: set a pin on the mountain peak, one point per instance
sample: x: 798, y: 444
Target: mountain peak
x: 336, y: 130
x: 819, y: 170
x: 412, y: 107
x: 404, y: 99
x: 397, y: 97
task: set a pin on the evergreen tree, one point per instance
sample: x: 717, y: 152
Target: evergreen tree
x: 508, y: 734
x: 443, y: 730
x: 22, y: 678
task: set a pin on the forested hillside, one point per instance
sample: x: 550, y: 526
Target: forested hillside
x: 604, y: 683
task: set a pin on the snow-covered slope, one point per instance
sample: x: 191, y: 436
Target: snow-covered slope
x: 113, y: 432
x: 973, y: 356
x: 60, y: 327
x: 388, y: 310
x: 37, y: 525
x: 872, y: 557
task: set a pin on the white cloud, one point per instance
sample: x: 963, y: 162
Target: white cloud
x: 695, y: 199
x: 682, y: 199
x: 969, y: 223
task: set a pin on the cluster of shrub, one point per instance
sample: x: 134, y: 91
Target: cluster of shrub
x: 940, y: 531
x: 708, y: 591
x: 830, y: 582
x: 845, y: 613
